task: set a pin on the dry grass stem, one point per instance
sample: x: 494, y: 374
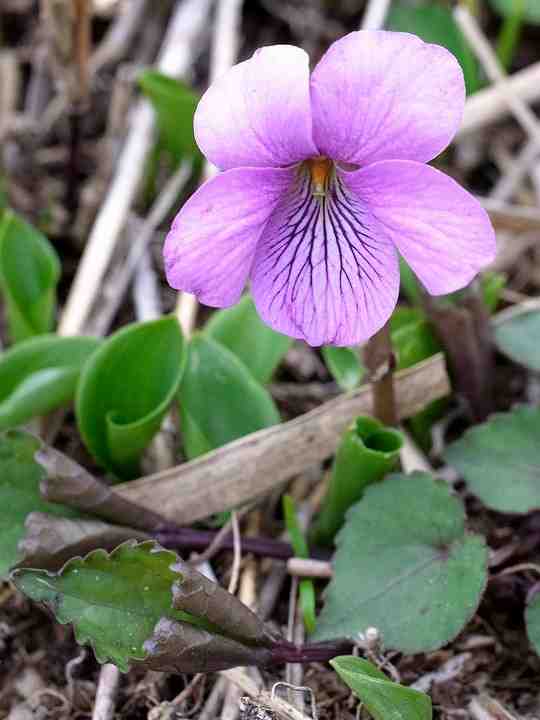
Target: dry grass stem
x: 255, y: 464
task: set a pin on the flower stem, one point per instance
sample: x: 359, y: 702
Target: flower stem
x: 190, y: 539
x: 286, y: 652
x: 380, y: 362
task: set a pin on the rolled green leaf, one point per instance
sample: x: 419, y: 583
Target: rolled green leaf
x: 367, y: 452
x: 125, y: 390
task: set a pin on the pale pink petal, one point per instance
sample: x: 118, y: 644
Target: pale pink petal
x: 258, y: 113
x: 210, y: 248
x: 440, y: 229
x: 384, y: 95
x: 323, y: 272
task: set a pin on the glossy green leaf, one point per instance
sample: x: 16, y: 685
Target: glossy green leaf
x: 405, y: 565
x: 125, y: 390
x: 306, y: 587
x: 532, y: 619
x: 39, y: 375
x: 175, y: 104
x: 383, y: 698
x: 517, y: 337
x: 500, y: 460
x: 241, y: 330
x: 531, y: 10
x: 29, y: 272
x: 20, y: 476
x: 435, y: 24
x: 345, y: 365
x: 367, y: 452
x: 141, y: 603
x: 220, y: 400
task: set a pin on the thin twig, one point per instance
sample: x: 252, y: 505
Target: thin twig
x: 308, y: 568
x: 237, y: 553
x: 239, y: 677
x: 176, y: 57
x: 109, y: 679
x: 489, y: 105
x: 145, y: 232
x: 375, y: 14
x: 485, y: 53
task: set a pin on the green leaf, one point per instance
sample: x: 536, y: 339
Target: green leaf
x: 175, y: 104
x: 507, y: 8
x: 509, y: 34
x: 125, y: 390
x: 500, y: 460
x: 241, y: 330
x: 532, y: 619
x: 367, y: 452
x: 29, y: 272
x: 306, y: 587
x: 220, y: 400
x: 383, y: 698
x: 20, y: 476
x: 406, y: 566
x: 492, y: 284
x: 517, y: 337
x: 344, y: 365
x: 413, y: 339
x: 128, y: 606
x: 39, y: 375
x: 435, y: 24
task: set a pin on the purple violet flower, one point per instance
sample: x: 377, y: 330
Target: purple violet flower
x: 324, y: 181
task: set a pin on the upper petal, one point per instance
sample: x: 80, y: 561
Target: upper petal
x: 440, y: 229
x: 258, y: 113
x: 380, y: 95
x: 210, y: 248
x: 322, y: 271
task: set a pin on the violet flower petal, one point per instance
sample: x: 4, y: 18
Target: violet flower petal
x: 323, y: 271
x: 440, y: 229
x: 258, y: 113
x: 210, y: 248
x: 383, y: 96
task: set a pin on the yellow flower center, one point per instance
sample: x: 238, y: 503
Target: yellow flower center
x: 320, y: 169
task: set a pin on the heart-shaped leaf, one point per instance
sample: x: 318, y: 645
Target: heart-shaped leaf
x: 220, y: 400
x: 20, y: 476
x: 406, y: 566
x: 29, y: 272
x: 532, y: 619
x: 516, y: 335
x: 241, y: 330
x: 500, y: 460
x: 141, y: 603
x: 383, y: 698
x: 344, y: 365
x: 175, y: 105
x: 39, y: 375
x: 125, y: 390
